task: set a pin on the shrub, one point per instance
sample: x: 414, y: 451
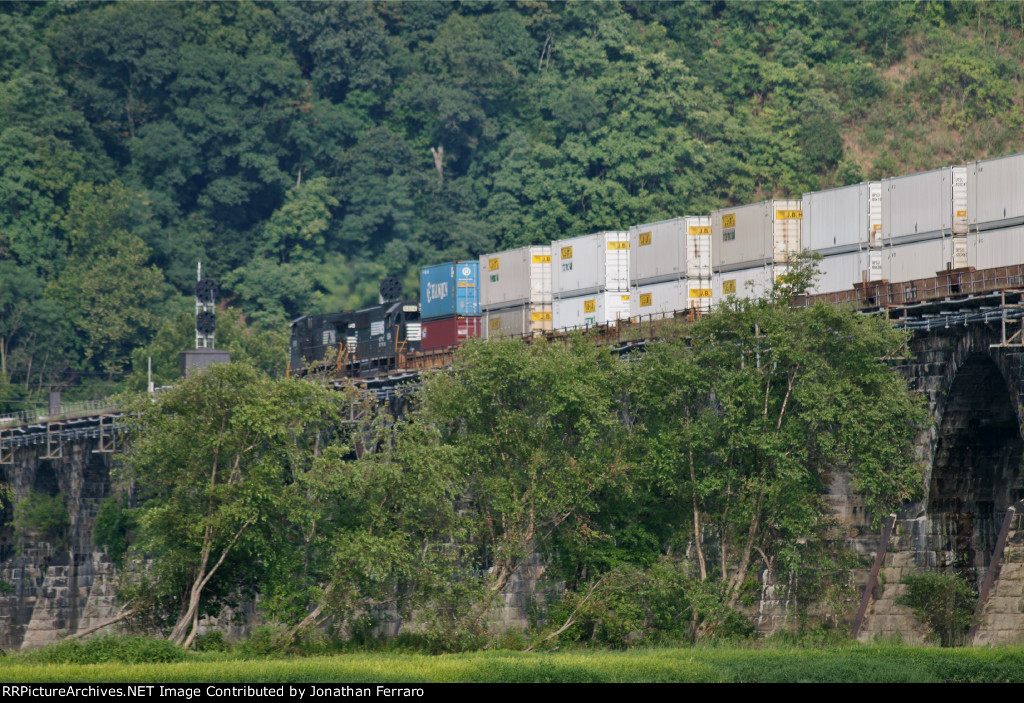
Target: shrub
x: 213, y: 641
x: 122, y: 649
x: 629, y: 607
x: 264, y: 641
x: 945, y: 602
x: 39, y: 517
x: 111, y: 529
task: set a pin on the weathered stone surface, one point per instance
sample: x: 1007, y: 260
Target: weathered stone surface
x: 52, y: 585
x: 972, y: 454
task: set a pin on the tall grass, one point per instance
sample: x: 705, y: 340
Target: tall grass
x: 836, y: 665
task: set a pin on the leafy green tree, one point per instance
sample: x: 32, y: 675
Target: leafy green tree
x: 113, y: 522
x: 215, y: 457
x: 341, y: 47
x: 194, y: 99
x: 297, y: 231
x: 107, y: 291
x: 374, y: 539
x: 968, y: 86
x: 376, y: 192
x: 44, y: 149
x: 28, y: 321
x: 273, y: 293
x: 744, y: 427
x: 532, y: 432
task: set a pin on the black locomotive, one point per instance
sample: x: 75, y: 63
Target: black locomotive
x: 361, y: 343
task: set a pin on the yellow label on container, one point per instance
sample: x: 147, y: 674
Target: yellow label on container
x: 466, y: 284
x: 589, y: 306
x: 492, y: 265
x: 728, y: 287
x: 625, y: 298
x: 789, y: 214
x: 618, y: 245
x: 645, y: 239
x: 703, y: 230
x: 540, y: 317
x: 542, y: 258
x: 494, y: 323
x: 646, y: 300
x: 729, y: 220
x: 961, y: 213
x: 566, y: 252
x: 705, y: 292
x: 877, y: 228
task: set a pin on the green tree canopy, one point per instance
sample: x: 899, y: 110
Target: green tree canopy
x: 216, y: 459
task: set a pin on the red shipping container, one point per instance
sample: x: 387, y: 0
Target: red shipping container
x: 448, y: 332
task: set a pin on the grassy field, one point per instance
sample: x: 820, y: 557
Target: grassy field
x: 844, y: 664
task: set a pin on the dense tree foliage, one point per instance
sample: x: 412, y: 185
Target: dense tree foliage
x: 217, y: 461
x: 661, y: 494
x: 303, y: 150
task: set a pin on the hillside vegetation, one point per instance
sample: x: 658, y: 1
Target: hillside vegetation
x: 303, y: 150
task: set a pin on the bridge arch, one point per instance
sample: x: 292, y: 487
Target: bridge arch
x: 976, y: 452
x: 975, y: 473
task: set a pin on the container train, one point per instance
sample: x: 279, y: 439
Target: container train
x: 888, y: 242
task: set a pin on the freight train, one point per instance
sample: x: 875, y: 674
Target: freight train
x: 889, y: 242
x: 359, y: 343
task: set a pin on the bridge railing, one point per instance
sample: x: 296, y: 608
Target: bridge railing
x: 77, y: 408
x: 948, y: 284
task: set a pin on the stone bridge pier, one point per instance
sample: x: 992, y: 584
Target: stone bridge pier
x: 50, y: 590
x: 972, y: 454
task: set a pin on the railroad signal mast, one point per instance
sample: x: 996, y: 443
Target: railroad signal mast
x: 206, y: 309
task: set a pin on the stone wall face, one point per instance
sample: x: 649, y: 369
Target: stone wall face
x: 56, y: 590
x: 1002, y: 616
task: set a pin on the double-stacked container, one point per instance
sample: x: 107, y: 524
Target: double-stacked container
x: 515, y: 292
x: 751, y: 246
x: 670, y: 266
x: 924, y: 224
x: 590, y: 280
x: 449, y: 304
x: 844, y: 226
x: 995, y: 212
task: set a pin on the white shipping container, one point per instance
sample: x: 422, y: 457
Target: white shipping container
x: 669, y: 250
x: 515, y: 277
x: 663, y: 299
x: 749, y: 236
x: 752, y: 282
x: 996, y: 247
x: 924, y: 259
x: 699, y: 294
x: 655, y: 300
x: 842, y: 220
x: 604, y: 308
x: 996, y: 194
x: 841, y: 271
x: 924, y: 206
x: 589, y: 264
x: 518, y: 321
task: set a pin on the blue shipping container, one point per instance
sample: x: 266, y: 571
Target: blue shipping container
x: 450, y: 289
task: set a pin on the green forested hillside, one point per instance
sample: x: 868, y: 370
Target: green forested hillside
x: 303, y: 150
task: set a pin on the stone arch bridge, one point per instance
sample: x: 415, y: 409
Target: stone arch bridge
x: 967, y: 358
x: 965, y: 355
